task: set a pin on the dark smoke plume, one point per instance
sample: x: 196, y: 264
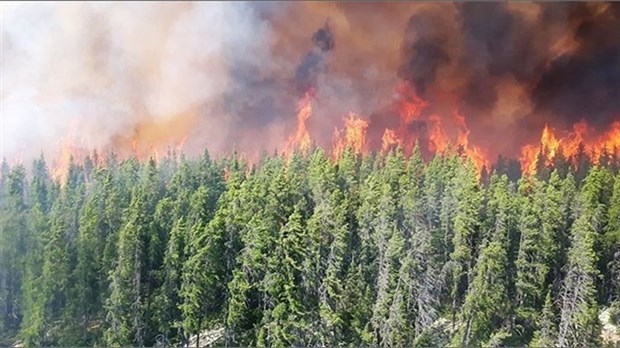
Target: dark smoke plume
x: 562, y: 59
x: 227, y: 75
x: 312, y: 63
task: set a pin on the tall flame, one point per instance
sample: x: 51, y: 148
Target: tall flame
x: 438, y: 139
x: 569, y: 145
x: 476, y: 154
x: 417, y: 122
x: 611, y: 139
x: 69, y: 151
x: 301, y: 139
x: 353, y: 136
x: 389, y: 140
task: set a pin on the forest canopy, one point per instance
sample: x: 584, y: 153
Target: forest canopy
x: 375, y: 249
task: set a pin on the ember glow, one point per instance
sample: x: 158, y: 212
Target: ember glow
x: 521, y: 80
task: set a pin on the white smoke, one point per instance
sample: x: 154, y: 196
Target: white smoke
x: 104, y: 68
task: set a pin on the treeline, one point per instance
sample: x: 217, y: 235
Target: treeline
x: 379, y: 249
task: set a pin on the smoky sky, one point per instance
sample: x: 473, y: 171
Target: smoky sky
x: 312, y: 63
x: 227, y: 75
x: 564, y: 57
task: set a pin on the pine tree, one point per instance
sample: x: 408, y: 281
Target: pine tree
x: 327, y: 244
x: 167, y: 313
x: 203, y: 271
x: 561, y: 163
x: 134, y: 279
x: 466, y: 221
x: 582, y: 163
x: 485, y: 307
x: 541, y: 229
x: 384, y: 228
x: 579, y: 323
x: 547, y: 333
x: 126, y: 305
x: 611, y: 243
x: 33, y: 322
x: 38, y: 229
x: 261, y: 215
x: 13, y: 244
x: 88, y: 274
x: 542, y: 171
x: 284, y: 323
x: 59, y: 261
x: 422, y: 279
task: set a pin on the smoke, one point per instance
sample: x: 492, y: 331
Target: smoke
x: 312, y: 64
x: 112, y: 72
x: 586, y: 81
x: 512, y: 67
x: 228, y: 75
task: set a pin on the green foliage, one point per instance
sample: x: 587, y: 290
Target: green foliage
x: 379, y: 249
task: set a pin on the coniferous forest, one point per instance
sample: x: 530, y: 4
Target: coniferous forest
x: 377, y: 249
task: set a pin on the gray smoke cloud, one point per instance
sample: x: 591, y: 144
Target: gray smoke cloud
x: 113, y: 71
x: 514, y: 67
x: 218, y: 75
x: 226, y: 75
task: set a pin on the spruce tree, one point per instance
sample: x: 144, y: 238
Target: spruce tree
x: 13, y: 243
x: 611, y: 244
x: 466, y: 222
x: 486, y: 306
x: 579, y: 323
x: 547, y: 332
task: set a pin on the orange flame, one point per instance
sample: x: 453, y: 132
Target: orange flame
x: 413, y: 112
x: 437, y: 136
x: 301, y: 139
x: 389, y: 140
x: 611, y: 139
x: 550, y: 145
x: 69, y: 151
x: 353, y: 136
x: 411, y: 108
x: 475, y: 153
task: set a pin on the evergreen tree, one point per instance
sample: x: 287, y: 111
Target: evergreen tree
x: 13, y: 243
x: 133, y: 281
x: 203, y: 267
x: 611, y: 244
x: 59, y: 260
x: 284, y: 321
x: 579, y: 323
x: 547, y: 333
x: 466, y: 221
x: 375, y: 249
x: 541, y: 228
x: 126, y: 305
x: 486, y: 306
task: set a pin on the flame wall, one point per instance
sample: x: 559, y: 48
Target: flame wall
x: 133, y: 76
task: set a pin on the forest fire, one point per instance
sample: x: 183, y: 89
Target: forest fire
x: 389, y: 140
x: 73, y: 151
x: 570, y: 145
x: 470, y: 78
x: 310, y: 173
x: 353, y: 136
x: 439, y: 138
x: 300, y: 140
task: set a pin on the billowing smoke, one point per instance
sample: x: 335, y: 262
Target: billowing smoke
x: 312, y: 64
x: 513, y: 67
x: 228, y: 75
x: 117, y: 72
